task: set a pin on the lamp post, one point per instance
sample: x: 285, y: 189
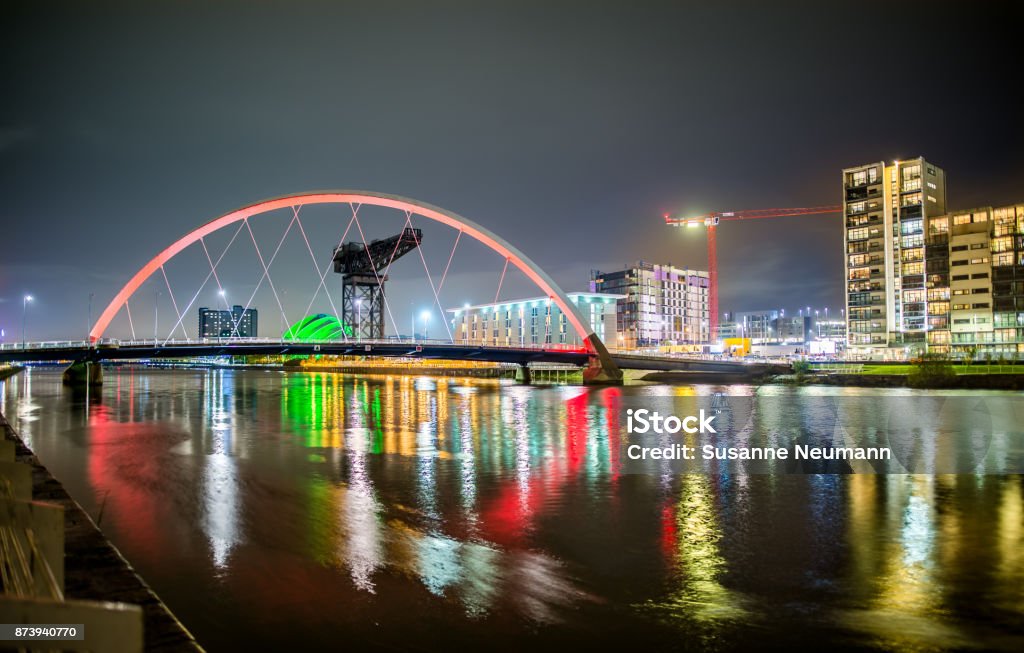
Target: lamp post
x: 24, y: 310
x: 231, y: 318
x: 88, y: 321
x: 426, y: 318
x: 359, y: 320
x: 284, y: 300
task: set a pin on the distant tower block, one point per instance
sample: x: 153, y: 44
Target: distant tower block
x: 362, y: 268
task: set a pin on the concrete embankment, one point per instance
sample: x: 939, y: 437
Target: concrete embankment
x: 959, y: 382
x: 480, y: 373
x: 8, y: 372
x: 703, y: 378
x: 93, y: 568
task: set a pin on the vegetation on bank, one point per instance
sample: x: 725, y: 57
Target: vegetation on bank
x: 926, y: 371
x: 931, y: 371
x: 976, y: 368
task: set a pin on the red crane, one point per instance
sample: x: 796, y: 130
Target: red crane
x: 711, y: 220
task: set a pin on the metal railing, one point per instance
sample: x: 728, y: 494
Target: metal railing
x: 32, y: 569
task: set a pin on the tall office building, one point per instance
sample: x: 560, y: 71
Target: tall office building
x: 662, y: 304
x: 886, y: 210
x: 237, y: 323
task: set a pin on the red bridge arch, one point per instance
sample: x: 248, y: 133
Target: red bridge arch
x: 466, y: 226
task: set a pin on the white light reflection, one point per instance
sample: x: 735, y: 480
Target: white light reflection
x: 361, y: 544
x: 220, y: 472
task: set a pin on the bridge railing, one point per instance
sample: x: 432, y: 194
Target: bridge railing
x: 32, y: 551
x: 228, y: 342
x: 49, y: 344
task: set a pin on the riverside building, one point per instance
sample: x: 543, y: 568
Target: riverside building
x: 662, y: 304
x: 534, y: 321
x: 886, y: 208
x: 921, y: 278
x: 978, y: 263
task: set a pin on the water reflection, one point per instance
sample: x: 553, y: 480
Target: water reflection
x: 476, y: 508
x: 220, y: 476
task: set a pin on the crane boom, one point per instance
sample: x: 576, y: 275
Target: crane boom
x: 710, y: 222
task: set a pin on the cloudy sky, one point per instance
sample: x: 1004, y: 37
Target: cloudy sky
x: 566, y: 127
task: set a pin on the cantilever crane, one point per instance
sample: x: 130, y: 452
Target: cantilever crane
x: 363, y: 267
x: 710, y: 222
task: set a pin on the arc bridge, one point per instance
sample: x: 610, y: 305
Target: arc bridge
x: 366, y: 312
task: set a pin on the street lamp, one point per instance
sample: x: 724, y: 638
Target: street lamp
x: 231, y: 318
x: 88, y: 322
x: 359, y: 320
x: 425, y: 315
x: 24, y: 310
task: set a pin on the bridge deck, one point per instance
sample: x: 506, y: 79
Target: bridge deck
x: 148, y: 350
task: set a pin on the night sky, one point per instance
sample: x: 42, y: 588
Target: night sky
x: 566, y: 127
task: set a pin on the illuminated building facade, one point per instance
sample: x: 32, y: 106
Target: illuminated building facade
x: 922, y: 279
x: 534, y: 321
x: 979, y: 266
x: 318, y: 327
x: 886, y: 209
x: 237, y: 323
x: 662, y: 305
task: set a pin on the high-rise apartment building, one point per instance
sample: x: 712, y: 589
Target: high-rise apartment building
x: 886, y: 208
x: 979, y: 266
x: 920, y: 278
x: 237, y: 323
x: 662, y: 305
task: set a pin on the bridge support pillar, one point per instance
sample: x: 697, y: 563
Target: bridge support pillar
x: 601, y: 369
x: 83, y: 373
x: 524, y: 376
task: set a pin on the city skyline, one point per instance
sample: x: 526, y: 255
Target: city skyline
x: 156, y: 144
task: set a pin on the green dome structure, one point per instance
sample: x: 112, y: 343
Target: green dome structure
x: 317, y: 327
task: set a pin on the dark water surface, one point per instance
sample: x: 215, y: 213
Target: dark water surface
x: 310, y: 511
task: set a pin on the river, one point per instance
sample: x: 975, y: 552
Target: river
x: 311, y: 511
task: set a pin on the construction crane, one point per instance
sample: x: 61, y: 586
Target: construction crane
x: 364, y: 267
x: 710, y: 222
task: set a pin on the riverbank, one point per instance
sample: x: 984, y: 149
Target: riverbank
x: 495, y: 372
x: 8, y: 372
x: 471, y: 372
x: 959, y: 382
x: 93, y: 567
